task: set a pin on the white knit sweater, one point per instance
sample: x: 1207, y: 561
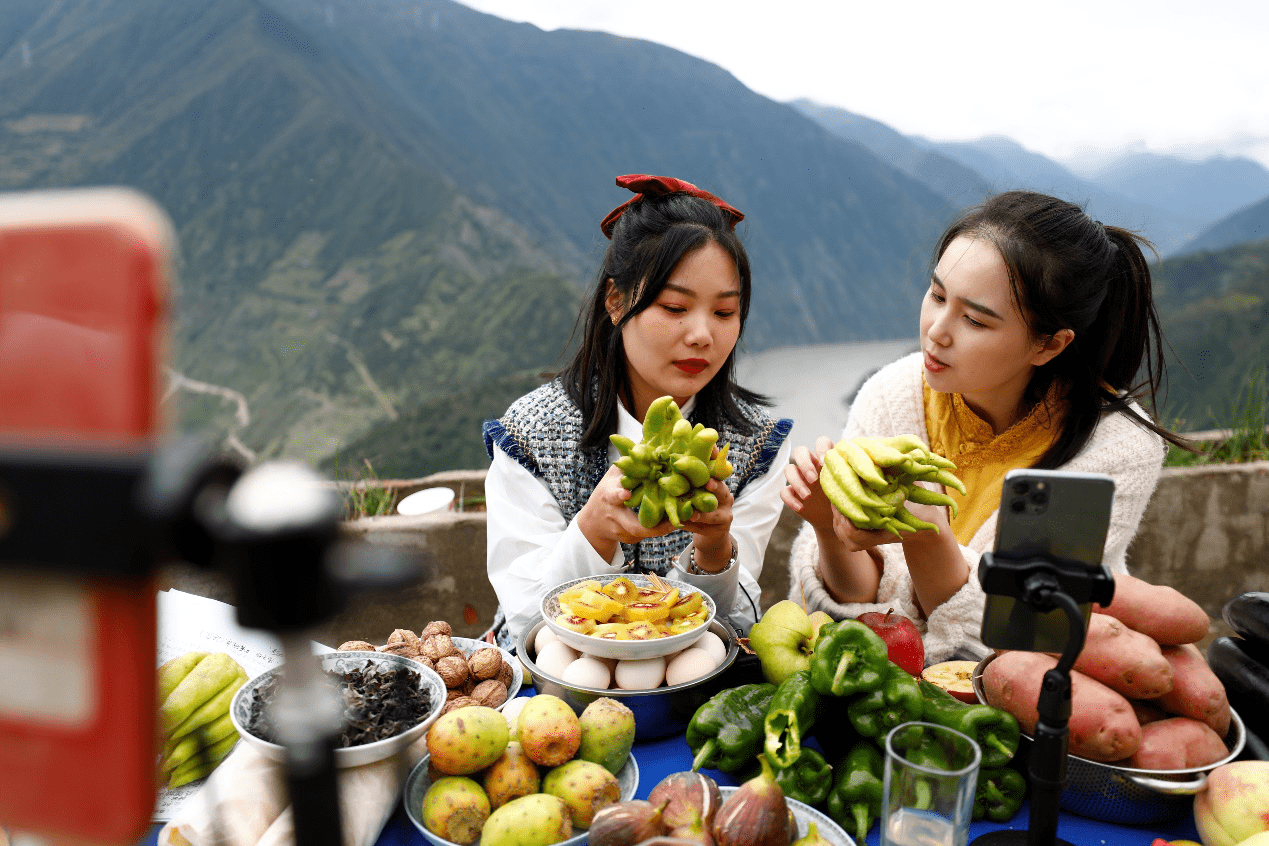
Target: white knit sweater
x: 891, y: 403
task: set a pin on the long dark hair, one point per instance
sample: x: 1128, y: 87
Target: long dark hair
x: 1068, y: 271
x: 651, y: 237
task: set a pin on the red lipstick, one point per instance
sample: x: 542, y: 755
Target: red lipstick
x: 691, y: 365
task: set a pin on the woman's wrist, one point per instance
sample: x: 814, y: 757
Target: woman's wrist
x: 711, y: 559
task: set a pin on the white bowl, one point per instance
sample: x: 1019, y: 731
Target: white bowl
x: 417, y: 783
x: 470, y: 645
x: 430, y: 684
x: 426, y: 501
x: 804, y: 814
x: 622, y: 649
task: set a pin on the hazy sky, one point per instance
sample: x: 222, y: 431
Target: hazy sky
x: 1063, y: 79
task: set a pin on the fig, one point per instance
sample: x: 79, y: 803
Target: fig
x: 756, y: 814
x: 690, y: 798
x: 626, y: 823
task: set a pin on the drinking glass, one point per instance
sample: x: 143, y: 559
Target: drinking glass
x: 931, y: 773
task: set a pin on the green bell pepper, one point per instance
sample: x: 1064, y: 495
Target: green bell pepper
x: 849, y: 658
x: 898, y: 700
x: 857, y: 789
x: 726, y: 732
x: 999, y: 793
x: 808, y: 778
x: 789, y: 718
x: 923, y: 749
x: 995, y: 730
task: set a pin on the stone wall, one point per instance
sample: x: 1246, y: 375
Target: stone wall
x: 1206, y: 533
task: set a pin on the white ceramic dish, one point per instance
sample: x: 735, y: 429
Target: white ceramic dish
x: 351, y: 756
x: 622, y: 649
x: 426, y: 501
x: 417, y: 783
x: 469, y: 645
x: 805, y: 815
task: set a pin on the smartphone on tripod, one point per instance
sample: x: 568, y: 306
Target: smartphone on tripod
x: 1061, y: 517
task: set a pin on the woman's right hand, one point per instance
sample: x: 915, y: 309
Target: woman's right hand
x: 802, y: 493
x: 606, y: 520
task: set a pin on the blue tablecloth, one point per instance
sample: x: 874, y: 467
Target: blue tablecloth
x: 659, y: 758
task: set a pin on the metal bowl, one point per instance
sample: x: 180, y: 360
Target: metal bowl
x: 659, y: 712
x: 1127, y: 795
x: 621, y: 649
x: 350, y: 756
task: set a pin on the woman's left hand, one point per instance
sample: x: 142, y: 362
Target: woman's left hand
x: 712, y: 530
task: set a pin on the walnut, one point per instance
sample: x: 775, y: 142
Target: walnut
x: 506, y: 675
x: 490, y: 692
x: 485, y: 662
x: 405, y: 650
x: 453, y: 669
x: 405, y: 636
x: 438, y: 646
x: 356, y: 646
x: 436, y: 627
x: 458, y: 702
x: 425, y: 661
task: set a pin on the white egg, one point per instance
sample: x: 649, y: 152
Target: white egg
x: 713, y: 644
x: 587, y: 671
x: 511, y: 711
x: 544, y: 636
x: 640, y: 673
x: 688, y: 665
x: 554, y: 657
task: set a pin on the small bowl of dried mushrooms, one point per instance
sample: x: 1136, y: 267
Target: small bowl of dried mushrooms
x: 389, y: 702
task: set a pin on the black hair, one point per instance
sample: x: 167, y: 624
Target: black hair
x: 1068, y: 271
x: 649, y: 240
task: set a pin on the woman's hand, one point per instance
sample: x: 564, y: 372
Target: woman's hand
x: 712, y: 530
x: 606, y: 520
x: 803, y: 493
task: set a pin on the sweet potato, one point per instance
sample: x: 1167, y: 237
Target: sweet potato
x: 1162, y: 612
x: 1196, y: 691
x: 1102, y: 724
x: 1124, y: 660
x: 1177, y: 743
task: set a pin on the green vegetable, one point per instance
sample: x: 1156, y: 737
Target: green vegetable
x: 924, y: 749
x: 999, y: 793
x: 726, y: 732
x: 857, y: 788
x: 897, y: 700
x: 789, y: 718
x: 808, y: 778
x: 995, y: 730
x: 849, y: 658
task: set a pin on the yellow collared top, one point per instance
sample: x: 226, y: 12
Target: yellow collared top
x: 982, y: 458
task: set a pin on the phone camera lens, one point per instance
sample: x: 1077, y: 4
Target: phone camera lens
x: 1020, y: 488
x: 1018, y: 506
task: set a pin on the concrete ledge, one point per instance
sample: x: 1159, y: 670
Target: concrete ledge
x: 1205, y: 532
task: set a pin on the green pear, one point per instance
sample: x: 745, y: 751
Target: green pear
x: 783, y: 640
x: 818, y: 619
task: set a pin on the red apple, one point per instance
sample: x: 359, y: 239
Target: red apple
x: 903, y: 641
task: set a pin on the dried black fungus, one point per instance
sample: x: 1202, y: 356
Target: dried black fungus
x: 380, y: 701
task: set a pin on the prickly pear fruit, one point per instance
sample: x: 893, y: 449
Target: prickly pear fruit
x: 626, y: 823
x: 585, y: 787
x: 1232, y: 806
x: 608, y: 733
x: 548, y: 729
x: 690, y: 798
x: 467, y: 739
x: 511, y: 776
x: 455, y: 808
x: 538, y: 819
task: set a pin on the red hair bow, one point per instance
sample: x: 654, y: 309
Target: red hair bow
x: 658, y: 186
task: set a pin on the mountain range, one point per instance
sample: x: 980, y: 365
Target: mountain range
x: 388, y: 210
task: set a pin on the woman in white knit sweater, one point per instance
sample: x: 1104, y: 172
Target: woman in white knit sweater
x: 1034, y: 329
